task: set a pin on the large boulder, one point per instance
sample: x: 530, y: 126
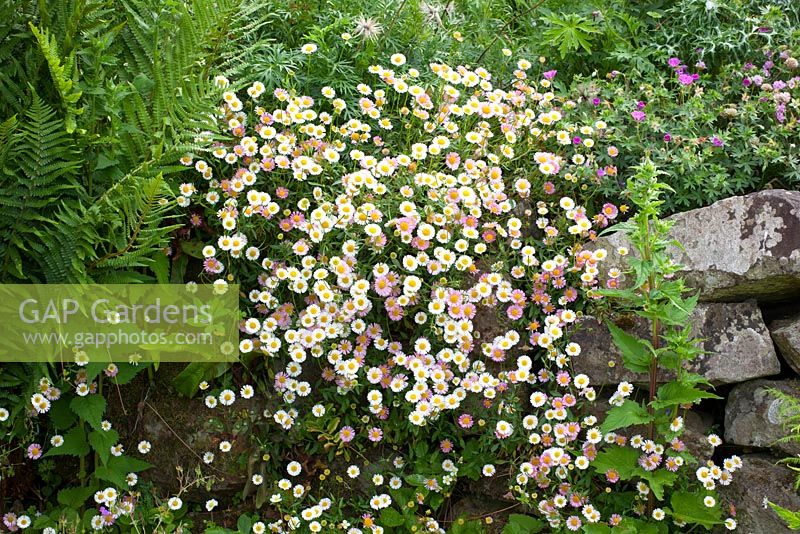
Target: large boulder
x: 786, y: 335
x: 759, y: 480
x: 737, y: 248
x: 734, y: 335
x: 755, y: 417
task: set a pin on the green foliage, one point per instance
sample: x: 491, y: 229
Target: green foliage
x: 791, y: 518
x: 657, y: 298
x: 789, y: 412
x: 687, y: 507
x: 89, y: 408
x: 570, y: 33
x: 629, y: 413
x: 637, y: 354
x: 523, y: 524
x: 98, y: 103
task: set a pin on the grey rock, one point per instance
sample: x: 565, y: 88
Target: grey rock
x: 755, y: 417
x: 786, y: 335
x: 737, y: 248
x: 758, y: 480
x: 734, y: 335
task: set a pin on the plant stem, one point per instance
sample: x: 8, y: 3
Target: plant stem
x: 655, y: 333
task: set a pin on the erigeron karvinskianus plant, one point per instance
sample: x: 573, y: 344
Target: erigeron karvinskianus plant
x: 374, y: 243
x: 669, y: 480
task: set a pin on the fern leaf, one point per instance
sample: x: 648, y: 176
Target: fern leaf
x: 61, y: 73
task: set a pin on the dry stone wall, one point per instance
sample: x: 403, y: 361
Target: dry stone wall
x: 743, y: 255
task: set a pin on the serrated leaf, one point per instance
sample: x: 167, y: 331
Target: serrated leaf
x: 117, y: 469
x: 187, y: 381
x: 160, y: 267
x: 128, y: 464
x: 690, y: 508
x: 636, y: 355
x: 61, y: 415
x: 628, y: 414
x: 90, y: 409
x: 391, y: 518
x: 657, y: 480
x: 74, y: 444
x: 102, y: 441
x: 792, y: 519
x: 127, y: 372
x: 75, y: 497
x: 621, y: 459
x: 675, y: 393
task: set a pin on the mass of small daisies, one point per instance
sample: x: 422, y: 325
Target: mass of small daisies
x: 412, y: 262
x: 379, y: 238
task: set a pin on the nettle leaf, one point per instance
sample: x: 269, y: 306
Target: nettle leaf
x: 62, y: 417
x: 118, y: 467
x: 621, y: 459
x: 102, y: 441
x: 74, y: 444
x: 675, y: 393
x: 128, y: 464
x: 657, y: 480
x: 90, y: 409
x: 127, y: 372
x: 628, y: 414
x: 75, y: 497
x: 690, y: 508
x: 635, y: 353
x: 523, y: 524
x: 391, y: 518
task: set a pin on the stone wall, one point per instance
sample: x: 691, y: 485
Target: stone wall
x: 743, y: 255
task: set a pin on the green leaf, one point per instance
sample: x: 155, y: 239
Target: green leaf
x: 523, y: 524
x: 160, y: 267
x: 102, y: 441
x: 62, y: 417
x: 596, y: 528
x: 244, y: 524
x: 128, y: 464
x: 675, y: 393
x: 391, y: 518
x: 127, y: 372
x: 621, y: 459
x: 75, y: 497
x: 74, y: 444
x: 628, y: 414
x: 792, y: 519
x: 118, y: 467
x: 188, y: 380
x: 690, y: 508
x: 657, y: 480
x: 90, y: 409
x: 569, y: 33
x: 635, y: 353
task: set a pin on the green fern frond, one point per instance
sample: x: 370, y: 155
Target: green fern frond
x: 61, y: 73
x: 40, y: 165
x: 134, y: 211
